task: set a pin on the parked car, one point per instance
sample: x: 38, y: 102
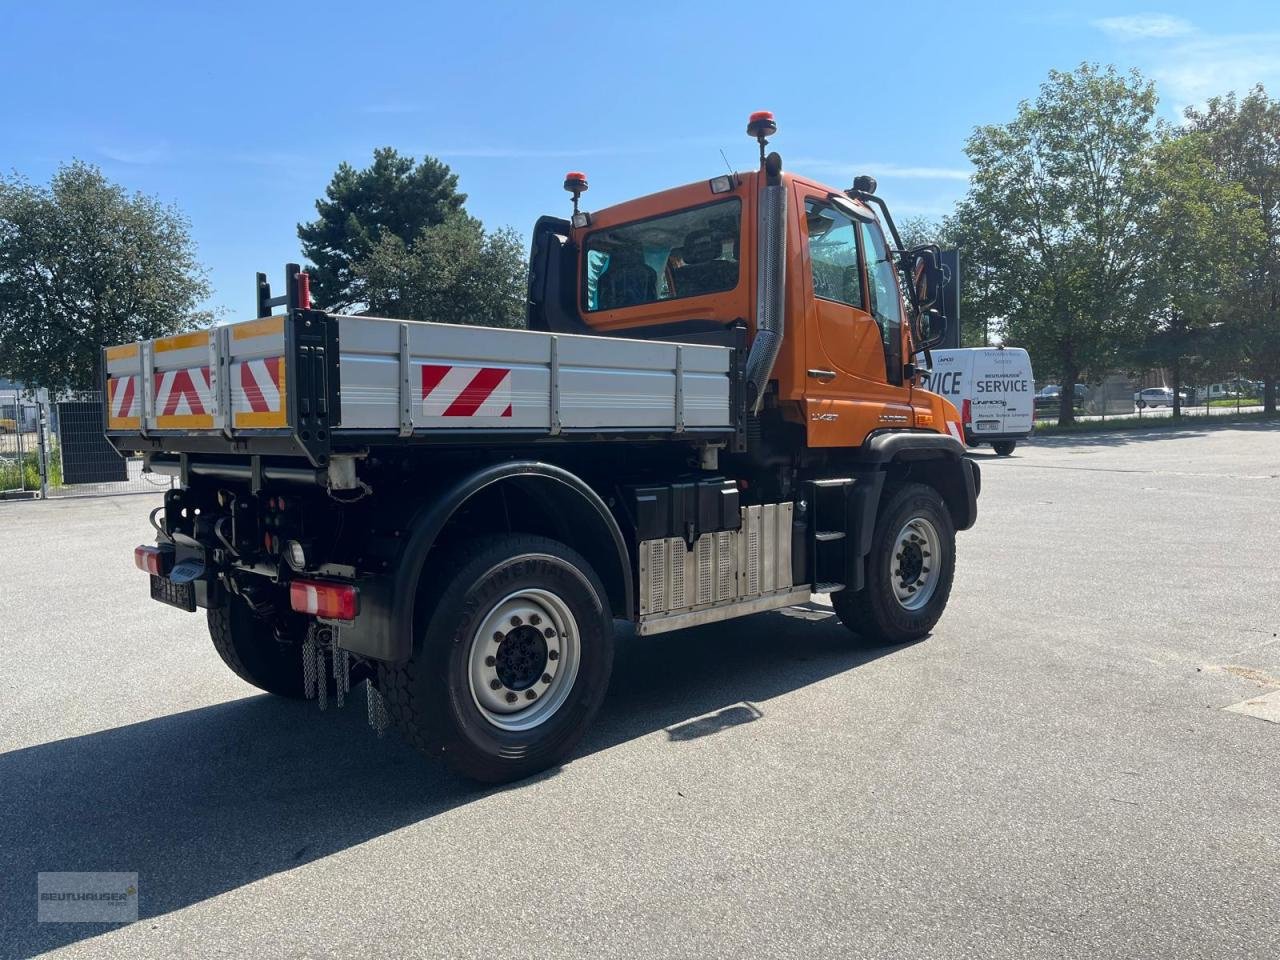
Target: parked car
x: 1047, y: 400
x: 1153, y: 397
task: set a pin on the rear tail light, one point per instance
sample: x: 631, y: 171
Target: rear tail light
x: 153, y: 560
x: 966, y: 413
x: 332, y: 601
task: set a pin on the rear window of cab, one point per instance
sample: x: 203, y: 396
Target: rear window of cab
x: 683, y: 254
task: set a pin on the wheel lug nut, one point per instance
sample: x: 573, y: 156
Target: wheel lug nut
x: 531, y: 695
x: 549, y: 632
x: 516, y: 621
x: 553, y: 654
x: 495, y: 684
x: 497, y: 637
x: 546, y: 678
x: 511, y: 697
x: 490, y: 661
x: 535, y: 619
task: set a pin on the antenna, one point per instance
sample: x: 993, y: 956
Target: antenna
x: 732, y: 172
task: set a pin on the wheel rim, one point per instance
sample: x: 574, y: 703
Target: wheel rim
x: 915, y: 563
x: 524, y: 659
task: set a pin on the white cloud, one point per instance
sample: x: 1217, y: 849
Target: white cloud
x: 139, y: 155
x: 886, y: 171
x: 1192, y: 71
x: 1191, y: 65
x: 1145, y: 26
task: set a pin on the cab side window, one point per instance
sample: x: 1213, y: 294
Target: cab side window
x: 684, y: 254
x: 833, y: 255
x: 886, y: 298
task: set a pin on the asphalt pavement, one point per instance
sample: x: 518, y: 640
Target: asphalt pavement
x: 1053, y: 773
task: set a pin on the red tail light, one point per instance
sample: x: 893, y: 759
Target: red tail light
x: 153, y: 560
x: 333, y: 601
x: 966, y: 413
x: 304, y: 291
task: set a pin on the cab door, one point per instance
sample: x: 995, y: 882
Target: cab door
x: 853, y: 353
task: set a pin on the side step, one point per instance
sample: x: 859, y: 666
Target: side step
x: 828, y: 502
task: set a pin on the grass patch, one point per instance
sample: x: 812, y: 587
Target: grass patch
x: 1148, y: 423
x: 23, y: 473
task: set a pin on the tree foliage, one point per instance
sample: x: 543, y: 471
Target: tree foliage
x: 1243, y: 138
x: 451, y: 272
x: 84, y: 264
x: 1203, y: 233
x: 1059, y: 204
x: 394, y: 197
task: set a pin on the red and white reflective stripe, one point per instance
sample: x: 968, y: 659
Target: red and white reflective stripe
x: 260, y: 382
x: 953, y: 428
x: 124, y: 397
x: 333, y: 601
x: 184, y: 392
x: 451, y: 391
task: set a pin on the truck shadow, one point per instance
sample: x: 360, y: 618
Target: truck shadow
x: 206, y: 801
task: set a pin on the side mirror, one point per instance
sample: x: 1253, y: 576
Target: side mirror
x: 926, y: 277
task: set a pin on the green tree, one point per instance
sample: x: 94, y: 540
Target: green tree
x: 1204, y: 228
x: 1058, y: 205
x: 84, y: 264
x: 392, y: 197
x: 1244, y: 140
x: 452, y: 272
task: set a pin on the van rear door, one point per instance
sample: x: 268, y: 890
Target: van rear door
x: 1002, y: 392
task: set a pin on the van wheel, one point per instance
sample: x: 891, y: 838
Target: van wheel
x: 513, y: 662
x: 909, y: 570
x: 248, y: 645
x: 1004, y: 447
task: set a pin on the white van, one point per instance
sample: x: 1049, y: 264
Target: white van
x: 993, y: 389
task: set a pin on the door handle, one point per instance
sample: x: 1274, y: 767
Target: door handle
x: 823, y: 375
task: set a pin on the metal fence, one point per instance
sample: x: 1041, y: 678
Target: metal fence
x: 54, y: 447
x: 1124, y: 395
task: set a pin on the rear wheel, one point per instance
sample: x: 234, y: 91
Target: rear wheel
x: 1004, y: 447
x: 513, y: 663
x: 909, y: 570
x: 248, y: 645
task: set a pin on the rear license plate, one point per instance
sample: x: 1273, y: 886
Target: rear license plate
x: 988, y: 424
x: 180, y: 595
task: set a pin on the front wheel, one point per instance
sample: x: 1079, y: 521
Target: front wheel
x: 513, y: 663
x: 909, y: 570
x: 1004, y: 447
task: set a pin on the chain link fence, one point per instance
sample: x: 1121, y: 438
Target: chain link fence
x: 54, y: 447
x: 1145, y: 395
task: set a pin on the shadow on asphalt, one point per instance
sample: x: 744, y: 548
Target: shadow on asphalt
x: 1127, y: 435
x: 206, y: 801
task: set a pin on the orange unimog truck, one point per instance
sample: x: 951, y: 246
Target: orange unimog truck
x: 714, y: 412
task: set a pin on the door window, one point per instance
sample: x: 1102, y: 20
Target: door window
x: 886, y: 298
x: 833, y: 255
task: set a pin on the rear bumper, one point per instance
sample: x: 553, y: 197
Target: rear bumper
x: 977, y: 439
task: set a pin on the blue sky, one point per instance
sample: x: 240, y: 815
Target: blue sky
x: 240, y: 116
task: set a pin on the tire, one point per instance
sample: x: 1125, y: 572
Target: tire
x: 490, y: 610
x: 1004, y: 447
x: 247, y: 644
x: 874, y: 613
